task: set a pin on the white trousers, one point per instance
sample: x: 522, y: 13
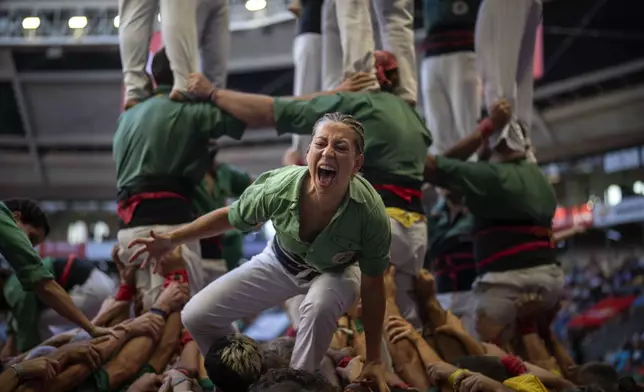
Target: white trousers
x: 151, y: 284
x: 214, y: 40
x: 505, y: 37
x: 451, y: 92
x: 263, y: 283
x: 307, y: 58
x: 87, y: 297
x: 213, y: 269
x: 347, y: 39
x: 408, y: 248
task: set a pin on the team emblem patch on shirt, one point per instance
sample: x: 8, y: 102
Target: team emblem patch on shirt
x: 343, y: 257
x: 460, y: 8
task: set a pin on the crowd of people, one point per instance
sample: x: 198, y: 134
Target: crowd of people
x: 383, y: 293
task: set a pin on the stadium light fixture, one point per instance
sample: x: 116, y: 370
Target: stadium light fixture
x: 117, y: 21
x: 159, y: 17
x: 77, y: 22
x: 31, y: 23
x: 255, y: 5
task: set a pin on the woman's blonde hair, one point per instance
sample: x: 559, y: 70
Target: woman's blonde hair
x: 347, y: 120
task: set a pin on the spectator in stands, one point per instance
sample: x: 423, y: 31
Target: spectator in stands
x: 24, y: 225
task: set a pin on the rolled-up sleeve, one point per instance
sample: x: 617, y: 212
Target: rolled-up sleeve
x: 254, y: 207
x: 19, y: 253
x: 376, y: 241
x: 299, y: 117
x: 215, y: 122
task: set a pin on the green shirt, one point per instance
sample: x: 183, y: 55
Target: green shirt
x: 19, y: 253
x: 230, y: 182
x: 24, y: 309
x: 500, y: 191
x: 396, y: 139
x: 163, y: 137
x: 358, y: 230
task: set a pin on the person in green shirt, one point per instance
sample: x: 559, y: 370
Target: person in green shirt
x: 23, y: 225
x: 513, y: 205
x: 222, y: 253
x: 161, y: 153
x: 327, y: 218
x: 396, y: 144
x: 450, y: 254
x: 31, y: 321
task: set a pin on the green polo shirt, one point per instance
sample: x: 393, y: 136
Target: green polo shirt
x: 19, y: 253
x: 359, y: 230
x: 500, y: 191
x: 230, y: 182
x: 396, y: 139
x: 163, y: 137
x: 24, y: 308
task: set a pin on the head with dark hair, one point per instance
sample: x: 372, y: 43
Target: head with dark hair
x: 30, y: 218
x: 291, y: 380
x: 335, y: 153
x: 599, y: 374
x: 277, y: 352
x: 161, y: 70
x: 488, y: 366
x: 234, y: 362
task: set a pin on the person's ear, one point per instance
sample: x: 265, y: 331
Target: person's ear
x: 357, y: 166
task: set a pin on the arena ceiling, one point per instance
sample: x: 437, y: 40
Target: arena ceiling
x: 60, y: 91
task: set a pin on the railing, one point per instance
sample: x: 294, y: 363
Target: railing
x: 44, y: 23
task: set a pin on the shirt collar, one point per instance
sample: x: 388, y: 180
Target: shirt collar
x: 163, y: 89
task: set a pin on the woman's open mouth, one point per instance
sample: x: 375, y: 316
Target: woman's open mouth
x: 326, y: 175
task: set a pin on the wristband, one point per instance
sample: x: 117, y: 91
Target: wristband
x: 486, y: 128
x: 159, y: 312
x: 452, y: 378
x: 186, y: 338
x: 180, y: 276
x: 514, y: 365
x: 126, y: 293
x: 19, y: 370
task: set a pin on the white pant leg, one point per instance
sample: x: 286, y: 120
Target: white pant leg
x: 396, y: 22
x: 259, y: 284
x: 293, y: 309
x: 332, y: 73
x: 354, y: 26
x: 436, y: 105
x: 87, y: 297
x: 136, y: 21
x: 214, y: 40
x: 500, y: 28
x: 408, y: 248
x: 525, y: 72
x: 464, y: 92
x: 213, y: 269
x: 179, y: 31
x: 307, y: 58
x: 328, y: 298
x: 151, y: 284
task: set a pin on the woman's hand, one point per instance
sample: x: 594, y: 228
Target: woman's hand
x: 439, y: 372
x: 399, y: 329
x: 500, y: 113
x: 157, y: 246
x: 43, y: 368
x: 200, y: 86
x: 373, y: 373
x: 357, y: 82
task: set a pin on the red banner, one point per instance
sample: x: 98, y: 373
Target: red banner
x: 602, y: 312
x: 538, y: 54
x: 567, y: 217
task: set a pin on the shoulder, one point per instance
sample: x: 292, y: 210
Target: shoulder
x: 363, y: 194
x: 280, y: 180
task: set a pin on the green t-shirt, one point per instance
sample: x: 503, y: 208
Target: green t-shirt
x: 163, y: 137
x: 396, y: 139
x: 500, y: 191
x: 24, y: 311
x: 359, y: 230
x: 19, y: 253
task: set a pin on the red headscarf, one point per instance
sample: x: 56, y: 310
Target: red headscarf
x: 385, y: 61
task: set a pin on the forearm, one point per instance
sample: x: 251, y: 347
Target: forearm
x: 9, y: 379
x: 253, y: 109
x: 314, y: 95
x: 212, y: 224
x: 118, y: 311
x: 472, y: 346
x: 469, y: 144
x: 168, y: 344
x: 190, y: 357
x: 129, y: 360
x: 373, y: 303
x: 55, y: 297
